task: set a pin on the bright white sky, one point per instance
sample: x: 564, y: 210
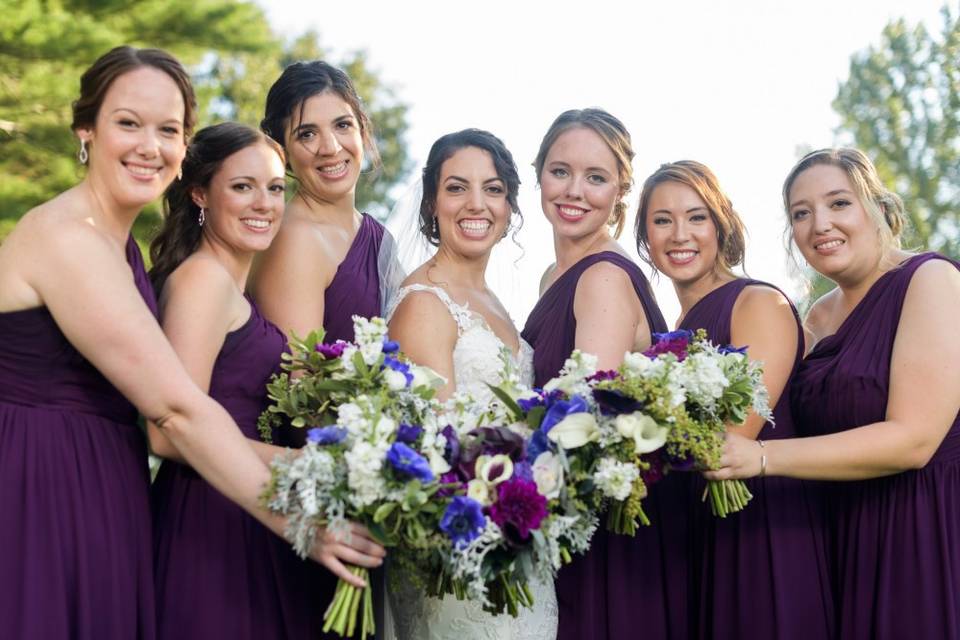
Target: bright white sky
x: 738, y: 85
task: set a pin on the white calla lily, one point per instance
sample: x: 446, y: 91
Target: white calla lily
x: 576, y: 430
x: 646, y: 433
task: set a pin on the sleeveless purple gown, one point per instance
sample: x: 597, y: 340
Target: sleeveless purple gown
x: 355, y: 288
x: 623, y: 586
x: 893, y: 543
x: 219, y: 572
x: 75, y: 531
x: 760, y: 573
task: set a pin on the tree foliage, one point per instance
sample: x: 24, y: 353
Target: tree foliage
x: 227, y: 44
x: 901, y: 105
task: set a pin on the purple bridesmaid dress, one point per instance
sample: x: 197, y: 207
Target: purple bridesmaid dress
x: 355, y: 288
x: 623, y: 586
x: 75, y: 527
x: 893, y: 543
x: 760, y: 573
x: 219, y: 572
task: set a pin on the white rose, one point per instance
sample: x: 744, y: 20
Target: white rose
x: 548, y: 474
x: 636, y: 362
x: 646, y: 433
x: 438, y: 463
x: 395, y: 380
x: 575, y: 431
x: 426, y: 377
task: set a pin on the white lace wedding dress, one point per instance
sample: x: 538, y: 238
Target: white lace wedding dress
x: 476, y: 362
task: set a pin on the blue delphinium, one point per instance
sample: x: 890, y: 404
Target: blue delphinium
x: 463, y: 521
x: 406, y: 461
x: 390, y: 346
x: 331, y: 434
x: 729, y: 348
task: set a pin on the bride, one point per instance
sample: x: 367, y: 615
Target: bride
x: 445, y: 317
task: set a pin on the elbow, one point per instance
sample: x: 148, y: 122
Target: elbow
x: 162, y: 433
x: 159, y: 444
x: 920, y: 455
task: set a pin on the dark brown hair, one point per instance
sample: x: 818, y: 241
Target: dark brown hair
x: 181, y: 233
x: 96, y: 81
x: 613, y: 133
x: 731, y: 233
x: 442, y: 150
x: 303, y: 80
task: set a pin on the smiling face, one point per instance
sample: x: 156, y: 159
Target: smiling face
x: 244, y: 199
x: 579, y: 186
x: 471, y: 206
x: 681, y: 233
x: 830, y: 225
x: 137, y: 143
x: 325, y: 147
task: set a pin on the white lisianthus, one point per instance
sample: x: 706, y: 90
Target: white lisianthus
x: 395, y: 380
x: 548, y: 474
x: 615, y: 479
x: 479, y: 491
x: 646, y: 433
x: 384, y: 428
x: 576, y: 430
x: 494, y: 469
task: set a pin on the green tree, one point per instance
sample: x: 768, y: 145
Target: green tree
x: 901, y: 105
x: 234, y: 56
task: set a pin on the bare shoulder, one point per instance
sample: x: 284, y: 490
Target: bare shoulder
x: 424, y: 309
x: 759, y: 299
x: 298, y: 251
x: 935, y: 284
x: 547, y: 277
x: 202, y: 279
x: 604, y: 279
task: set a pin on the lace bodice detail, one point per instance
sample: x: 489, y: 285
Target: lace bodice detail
x: 479, y: 357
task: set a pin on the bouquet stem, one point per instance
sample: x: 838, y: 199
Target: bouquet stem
x: 341, y: 615
x: 726, y: 496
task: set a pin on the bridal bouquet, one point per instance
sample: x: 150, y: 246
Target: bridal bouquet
x: 710, y: 387
x: 373, y: 454
x: 510, y: 517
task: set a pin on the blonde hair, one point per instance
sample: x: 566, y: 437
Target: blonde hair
x: 883, y: 206
x: 616, y: 137
x: 731, y: 233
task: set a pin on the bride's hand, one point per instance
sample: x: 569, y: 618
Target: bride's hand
x: 741, y: 459
x: 358, y: 548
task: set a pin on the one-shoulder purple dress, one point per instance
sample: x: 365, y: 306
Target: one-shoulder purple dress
x: 219, y: 572
x: 893, y: 543
x: 760, y: 573
x: 74, y: 507
x: 623, y: 586
x: 355, y: 288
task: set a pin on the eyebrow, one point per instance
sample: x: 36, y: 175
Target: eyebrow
x: 690, y: 210
x: 465, y: 181
x: 828, y: 194
x: 177, y: 120
x: 253, y: 179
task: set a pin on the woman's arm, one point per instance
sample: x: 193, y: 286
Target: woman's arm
x: 763, y: 321
x: 609, y: 314
x: 923, y: 403
x: 87, y: 287
x: 427, y: 334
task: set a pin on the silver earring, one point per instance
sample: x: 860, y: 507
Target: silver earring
x: 202, y: 216
x: 83, y: 156
x: 436, y: 227
x: 180, y: 173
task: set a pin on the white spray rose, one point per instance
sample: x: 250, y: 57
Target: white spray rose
x: 548, y: 474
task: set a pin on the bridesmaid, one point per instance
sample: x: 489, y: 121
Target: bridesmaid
x: 218, y: 571
x: 326, y: 263
x: 82, y: 348
x: 595, y: 298
x: 879, y: 396
x: 688, y: 230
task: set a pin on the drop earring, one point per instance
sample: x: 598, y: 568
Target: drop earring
x: 180, y: 173
x: 83, y: 156
x: 202, y: 216
x: 436, y: 227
